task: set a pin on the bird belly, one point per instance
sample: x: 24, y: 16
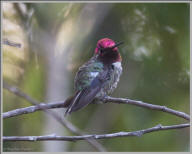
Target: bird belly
x: 111, y: 84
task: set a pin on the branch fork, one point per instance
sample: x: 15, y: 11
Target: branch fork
x: 90, y: 138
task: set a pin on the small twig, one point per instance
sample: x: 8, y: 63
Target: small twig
x: 62, y: 121
x: 93, y: 136
x: 11, y: 43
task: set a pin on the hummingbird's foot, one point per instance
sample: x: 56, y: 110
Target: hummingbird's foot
x: 103, y: 99
x: 97, y: 101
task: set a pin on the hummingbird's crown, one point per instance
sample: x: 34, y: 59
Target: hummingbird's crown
x: 105, y: 43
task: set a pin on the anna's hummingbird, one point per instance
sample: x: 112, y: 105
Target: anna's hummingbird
x: 98, y: 77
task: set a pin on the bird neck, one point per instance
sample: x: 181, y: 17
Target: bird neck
x: 110, y: 58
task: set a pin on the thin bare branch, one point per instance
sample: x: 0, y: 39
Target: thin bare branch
x: 31, y: 109
x: 11, y: 43
x: 53, y: 137
x: 41, y: 106
x: 146, y: 105
x: 60, y: 104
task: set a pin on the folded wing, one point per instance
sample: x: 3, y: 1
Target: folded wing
x: 84, y: 97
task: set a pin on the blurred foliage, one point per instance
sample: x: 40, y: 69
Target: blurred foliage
x: 156, y: 68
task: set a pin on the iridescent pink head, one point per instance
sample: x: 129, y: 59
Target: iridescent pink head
x: 104, y: 44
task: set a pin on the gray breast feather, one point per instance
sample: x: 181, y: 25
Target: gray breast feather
x: 113, y: 80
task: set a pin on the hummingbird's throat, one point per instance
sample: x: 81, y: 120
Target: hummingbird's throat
x: 110, y: 57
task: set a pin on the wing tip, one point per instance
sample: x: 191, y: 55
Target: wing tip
x: 73, y: 101
x: 67, y: 113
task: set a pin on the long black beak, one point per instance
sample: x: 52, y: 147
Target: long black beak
x: 108, y: 49
x: 116, y: 45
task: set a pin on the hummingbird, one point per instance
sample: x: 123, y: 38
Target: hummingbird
x: 98, y: 77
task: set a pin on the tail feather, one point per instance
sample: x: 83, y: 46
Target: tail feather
x: 71, y: 102
x: 68, y: 102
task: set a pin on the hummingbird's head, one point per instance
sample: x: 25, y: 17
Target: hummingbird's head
x: 107, y: 48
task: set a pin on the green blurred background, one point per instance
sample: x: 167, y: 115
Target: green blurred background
x: 57, y: 38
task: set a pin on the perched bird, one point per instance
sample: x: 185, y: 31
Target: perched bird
x: 98, y: 77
